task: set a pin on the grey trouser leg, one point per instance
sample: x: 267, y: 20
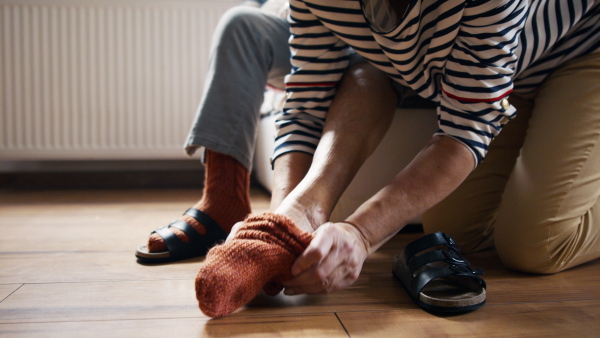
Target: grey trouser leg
x: 250, y: 49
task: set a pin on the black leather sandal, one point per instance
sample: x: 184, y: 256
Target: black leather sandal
x: 198, y: 244
x: 437, y: 278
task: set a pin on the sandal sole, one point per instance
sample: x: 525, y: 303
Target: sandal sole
x: 143, y: 255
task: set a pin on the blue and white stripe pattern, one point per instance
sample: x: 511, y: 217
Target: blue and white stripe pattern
x: 468, y: 56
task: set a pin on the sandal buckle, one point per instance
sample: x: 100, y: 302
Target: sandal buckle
x: 463, y: 269
x: 450, y: 241
x: 453, y: 258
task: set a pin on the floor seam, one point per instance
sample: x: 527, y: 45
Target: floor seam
x: 10, y: 294
x: 342, y: 324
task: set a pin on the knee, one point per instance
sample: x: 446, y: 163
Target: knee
x: 239, y: 22
x: 524, y: 249
x: 365, y: 75
x: 367, y: 91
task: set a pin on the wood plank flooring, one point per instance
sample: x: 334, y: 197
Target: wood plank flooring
x: 67, y: 269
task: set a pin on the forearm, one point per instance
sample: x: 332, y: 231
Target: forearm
x: 288, y: 171
x: 434, y: 173
x: 353, y: 130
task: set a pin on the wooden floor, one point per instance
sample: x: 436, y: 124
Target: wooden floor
x: 67, y: 269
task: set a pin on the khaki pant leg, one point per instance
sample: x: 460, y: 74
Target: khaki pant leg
x: 469, y: 213
x: 549, y: 219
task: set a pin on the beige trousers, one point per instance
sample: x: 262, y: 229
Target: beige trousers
x: 535, y: 197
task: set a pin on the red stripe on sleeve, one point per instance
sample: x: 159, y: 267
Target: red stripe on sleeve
x: 464, y: 99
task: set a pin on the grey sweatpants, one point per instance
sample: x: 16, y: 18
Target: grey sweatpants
x: 249, y: 49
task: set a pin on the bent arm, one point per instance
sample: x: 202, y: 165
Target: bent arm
x: 433, y: 174
x: 319, y: 59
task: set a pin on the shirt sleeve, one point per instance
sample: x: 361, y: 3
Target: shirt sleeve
x: 319, y: 59
x: 477, y: 79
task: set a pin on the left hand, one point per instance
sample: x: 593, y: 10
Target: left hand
x: 332, y: 261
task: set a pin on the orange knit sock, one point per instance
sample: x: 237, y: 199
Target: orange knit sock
x: 225, y: 198
x: 259, y: 256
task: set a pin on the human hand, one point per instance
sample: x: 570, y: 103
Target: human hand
x: 332, y: 261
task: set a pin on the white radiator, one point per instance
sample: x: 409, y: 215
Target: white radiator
x: 120, y: 79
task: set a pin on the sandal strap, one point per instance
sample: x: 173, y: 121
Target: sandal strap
x: 450, y: 256
x: 175, y: 246
x: 214, y: 233
x: 202, y: 243
x: 427, y: 275
x: 428, y: 241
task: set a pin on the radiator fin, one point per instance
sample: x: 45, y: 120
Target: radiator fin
x: 102, y: 79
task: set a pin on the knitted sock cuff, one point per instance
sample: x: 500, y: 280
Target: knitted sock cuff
x: 276, y: 229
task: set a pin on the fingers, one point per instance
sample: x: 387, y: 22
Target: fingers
x: 313, y: 283
x: 318, y: 249
x: 330, y: 263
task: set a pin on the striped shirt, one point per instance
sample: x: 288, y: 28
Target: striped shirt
x: 468, y: 56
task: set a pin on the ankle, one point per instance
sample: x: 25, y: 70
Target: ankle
x: 226, y: 212
x: 307, y: 215
x: 226, y: 196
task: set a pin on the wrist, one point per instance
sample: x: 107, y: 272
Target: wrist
x: 361, y: 239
